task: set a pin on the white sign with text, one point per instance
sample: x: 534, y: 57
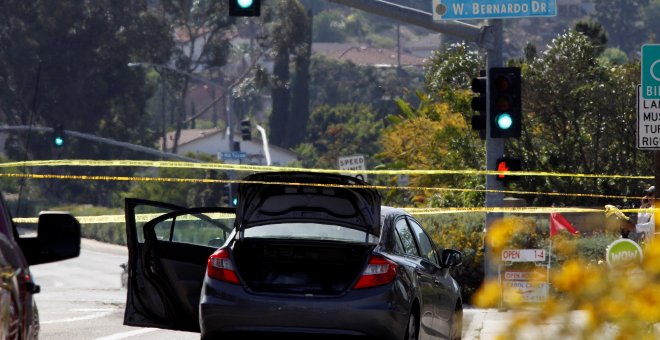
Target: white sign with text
x: 355, y: 162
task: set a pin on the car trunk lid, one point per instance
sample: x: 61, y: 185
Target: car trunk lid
x: 279, y: 197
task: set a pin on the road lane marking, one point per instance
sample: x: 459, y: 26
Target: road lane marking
x: 80, y: 318
x: 128, y: 334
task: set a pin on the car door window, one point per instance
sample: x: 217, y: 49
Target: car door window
x: 200, y: 229
x: 425, y: 245
x: 406, y: 238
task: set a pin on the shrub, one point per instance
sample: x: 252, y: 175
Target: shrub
x: 463, y: 232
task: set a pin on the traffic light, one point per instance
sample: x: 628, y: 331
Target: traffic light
x: 58, y: 136
x: 246, y: 129
x: 505, y: 102
x: 508, y: 164
x: 232, y: 194
x: 479, y: 104
x: 244, y: 8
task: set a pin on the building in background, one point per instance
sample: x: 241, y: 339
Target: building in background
x: 214, y: 142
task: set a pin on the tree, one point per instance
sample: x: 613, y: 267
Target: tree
x: 623, y: 22
x: 568, y: 127
x: 202, y: 29
x: 436, y: 133
x: 286, y: 36
x: 343, y: 130
x: 65, y: 61
x: 299, y: 113
x: 595, y: 32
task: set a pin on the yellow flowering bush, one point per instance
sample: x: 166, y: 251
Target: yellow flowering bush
x: 621, y: 302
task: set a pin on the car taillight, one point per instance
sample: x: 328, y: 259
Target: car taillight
x: 379, y: 271
x: 220, y: 267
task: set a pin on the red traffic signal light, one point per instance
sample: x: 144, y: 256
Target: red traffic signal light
x: 507, y: 164
x: 505, y: 112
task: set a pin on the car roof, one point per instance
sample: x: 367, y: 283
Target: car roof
x: 387, y: 211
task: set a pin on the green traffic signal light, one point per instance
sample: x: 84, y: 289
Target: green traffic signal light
x: 58, y: 135
x: 504, y: 121
x: 504, y: 96
x: 244, y: 8
x: 245, y: 3
x: 59, y: 141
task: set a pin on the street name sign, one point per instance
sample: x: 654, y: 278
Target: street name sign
x: 651, y: 71
x: 648, y: 122
x: 353, y: 163
x: 492, y: 9
x: 232, y: 155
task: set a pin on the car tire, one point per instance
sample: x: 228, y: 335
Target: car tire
x: 412, y: 331
x: 457, y: 324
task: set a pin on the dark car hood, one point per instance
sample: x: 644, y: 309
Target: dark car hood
x: 290, y: 200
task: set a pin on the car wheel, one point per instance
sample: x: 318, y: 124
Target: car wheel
x: 411, y: 330
x: 457, y: 324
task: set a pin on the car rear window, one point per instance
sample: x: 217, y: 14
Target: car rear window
x: 309, y: 231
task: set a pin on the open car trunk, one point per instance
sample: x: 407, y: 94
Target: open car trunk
x: 300, y: 267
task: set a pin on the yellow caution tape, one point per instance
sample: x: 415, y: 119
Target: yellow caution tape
x: 259, y: 168
x: 121, y: 218
x: 379, y: 187
x: 414, y: 211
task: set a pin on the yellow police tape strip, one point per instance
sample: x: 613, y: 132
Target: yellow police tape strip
x: 379, y: 187
x: 414, y: 211
x: 121, y: 218
x: 244, y: 167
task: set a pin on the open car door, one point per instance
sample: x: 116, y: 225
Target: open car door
x: 168, y: 250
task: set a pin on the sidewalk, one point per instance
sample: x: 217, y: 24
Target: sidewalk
x: 488, y: 324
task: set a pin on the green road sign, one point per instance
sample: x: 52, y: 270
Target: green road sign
x: 651, y: 71
x: 623, y: 253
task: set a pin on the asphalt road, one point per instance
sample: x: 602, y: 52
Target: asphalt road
x: 82, y: 299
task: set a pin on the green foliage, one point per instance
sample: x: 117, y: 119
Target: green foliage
x: 182, y: 193
x: 334, y: 82
x: 568, y: 127
x: 463, y: 232
x: 329, y: 27
x: 613, y: 56
x: 114, y: 233
x: 595, y: 32
x: 435, y: 134
x: 343, y: 130
x: 623, y: 21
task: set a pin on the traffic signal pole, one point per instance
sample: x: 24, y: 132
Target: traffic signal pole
x: 494, y: 150
x: 487, y: 37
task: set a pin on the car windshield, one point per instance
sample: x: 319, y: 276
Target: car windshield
x: 309, y: 231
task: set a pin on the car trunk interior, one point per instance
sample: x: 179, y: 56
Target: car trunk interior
x: 299, y: 267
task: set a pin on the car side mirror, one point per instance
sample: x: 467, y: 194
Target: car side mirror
x: 58, y: 238
x: 451, y: 258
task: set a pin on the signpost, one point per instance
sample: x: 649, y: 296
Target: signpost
x: 648, y: 122
x: 524, y: 285
x: 355, y: 162
x: 492, y: 9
